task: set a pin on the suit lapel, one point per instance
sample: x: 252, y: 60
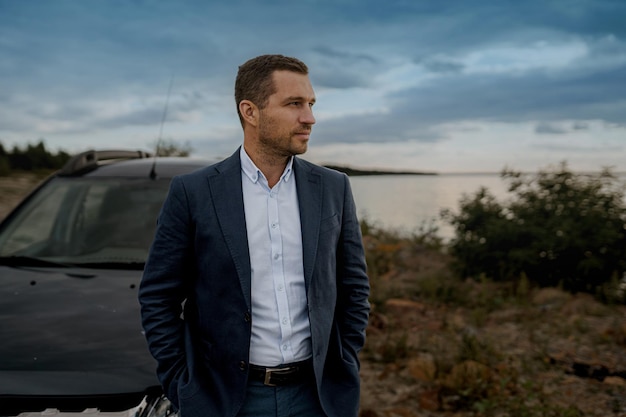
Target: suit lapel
x: 309, y: 186
x: 227, y: 197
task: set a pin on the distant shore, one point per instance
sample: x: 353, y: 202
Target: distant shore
x: 353, y: 172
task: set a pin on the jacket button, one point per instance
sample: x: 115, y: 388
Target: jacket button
x: 242, y: 365
x: 247, y: 317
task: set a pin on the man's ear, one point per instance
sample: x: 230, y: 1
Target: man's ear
x: 249, y: 111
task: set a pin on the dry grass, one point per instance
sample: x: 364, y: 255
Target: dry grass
x: 441, y: 346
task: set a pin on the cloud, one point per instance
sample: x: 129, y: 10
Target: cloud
x: 442, y: 65
x: 580, y: 125
x: 549, y: 128
x: 384, y: 72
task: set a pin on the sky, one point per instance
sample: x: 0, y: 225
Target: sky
x: 438, y: 86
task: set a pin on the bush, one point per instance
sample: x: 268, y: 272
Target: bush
x: 559, y: 228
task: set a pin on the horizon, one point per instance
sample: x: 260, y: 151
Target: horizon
x: 376, y: 170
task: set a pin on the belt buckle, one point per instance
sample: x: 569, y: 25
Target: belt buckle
x: 270, y: 371
x: 268, y: 376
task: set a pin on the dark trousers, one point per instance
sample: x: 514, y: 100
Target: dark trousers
x: 296, y: 400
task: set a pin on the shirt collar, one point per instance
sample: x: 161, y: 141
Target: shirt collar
x: 251, y: 171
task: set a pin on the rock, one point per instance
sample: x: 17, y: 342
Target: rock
x: 615, y: 380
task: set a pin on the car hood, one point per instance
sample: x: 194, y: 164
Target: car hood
x: 71, y: 334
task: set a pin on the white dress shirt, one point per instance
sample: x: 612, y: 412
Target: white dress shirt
x: 280, y: 320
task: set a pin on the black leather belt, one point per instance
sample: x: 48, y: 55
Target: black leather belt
x: 291, y: 373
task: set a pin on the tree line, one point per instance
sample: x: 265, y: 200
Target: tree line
x: 30, y: 158
x: 37, y: 157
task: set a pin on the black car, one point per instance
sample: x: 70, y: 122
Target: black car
x: 71, y: 258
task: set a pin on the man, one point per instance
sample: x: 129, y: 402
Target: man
x: 265, y: 253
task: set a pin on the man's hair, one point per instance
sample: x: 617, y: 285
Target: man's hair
x: 254, y: 79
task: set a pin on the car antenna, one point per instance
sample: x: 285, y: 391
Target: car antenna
x: 158, y: 144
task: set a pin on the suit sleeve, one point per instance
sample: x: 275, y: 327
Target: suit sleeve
x: 162, y: 289
x: 353, y: 285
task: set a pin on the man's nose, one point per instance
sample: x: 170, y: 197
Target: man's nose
x: 307, y: 117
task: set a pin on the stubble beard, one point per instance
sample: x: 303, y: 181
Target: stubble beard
x: 280, y: 143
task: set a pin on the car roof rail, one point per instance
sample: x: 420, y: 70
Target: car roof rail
x: 90, y: 160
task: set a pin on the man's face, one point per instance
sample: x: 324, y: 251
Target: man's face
x: 285, y: 122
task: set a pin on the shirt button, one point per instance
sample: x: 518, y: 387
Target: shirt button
x: 280, y: 287
x: 285, y: 321
x: 274, y: 225
x: 285, y: 347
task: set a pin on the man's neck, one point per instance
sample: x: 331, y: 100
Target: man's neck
x: 272, y: 166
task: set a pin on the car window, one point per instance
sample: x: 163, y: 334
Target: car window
x: 35, y: 221
x: 87, y: 220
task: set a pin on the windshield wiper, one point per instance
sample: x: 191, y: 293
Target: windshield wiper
x: 21, y: 261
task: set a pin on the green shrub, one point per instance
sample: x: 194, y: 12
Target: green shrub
x: 558, y: 229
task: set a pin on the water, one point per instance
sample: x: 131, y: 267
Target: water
x: 406, y: 202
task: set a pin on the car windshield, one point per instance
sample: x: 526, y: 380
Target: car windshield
x: 91, y: 221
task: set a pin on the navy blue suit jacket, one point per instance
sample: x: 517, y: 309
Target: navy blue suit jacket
x: 195, y: 291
